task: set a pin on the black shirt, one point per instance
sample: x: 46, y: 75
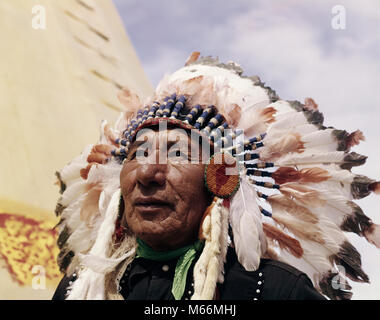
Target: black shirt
x: 274, y: 280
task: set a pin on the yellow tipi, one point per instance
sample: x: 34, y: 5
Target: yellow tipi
x: 62, y: 65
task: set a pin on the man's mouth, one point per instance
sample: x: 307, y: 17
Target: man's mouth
x: 151, y: 204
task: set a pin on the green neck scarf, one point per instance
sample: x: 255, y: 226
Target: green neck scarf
x: 186, y: 254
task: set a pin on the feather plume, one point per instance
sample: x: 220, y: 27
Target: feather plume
x: 110, y: 134
x: 310, y: 104
x: 284, y: 241
x: 246, y: 226
x: 100, y: 153
x: 74, y: 192
x: 205, y: 95
x: 335, y: 286
x: 256, y: 121
x: 233, y: 114
x: 190, y: 86
x: 375, y: 187
x: 304, y: 195
x: 328, y: 235
x: 299, y: 228
x: 129, y: 100
x: 289, y: 174
x: 285, y: 122
x: 280, y: 202
x: 90, y: 204
x: 84, y: 171
x: 267, y: 114
x: 354, y: 138
x: 326, y: 140
x: 345, y: 160
x: 275, y: 149
x: 192, y: 58
x: 347, y: 215
x: 71, y: 172
x: 89, y: 281
x: 349, y: 258
x: 372, y: 234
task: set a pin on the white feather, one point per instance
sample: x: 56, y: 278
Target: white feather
x: 245, y: 219
x: 311, y: 158
x: 91, y: 282
x: 71, y: 172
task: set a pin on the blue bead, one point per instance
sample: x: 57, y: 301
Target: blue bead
x: 266, y: 213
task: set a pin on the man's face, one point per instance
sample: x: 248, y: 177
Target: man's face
x: 164, y: 194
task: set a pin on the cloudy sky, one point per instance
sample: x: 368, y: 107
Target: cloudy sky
x: 299, y: 48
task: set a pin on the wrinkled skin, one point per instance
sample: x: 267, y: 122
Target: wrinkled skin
x: 163, y: 203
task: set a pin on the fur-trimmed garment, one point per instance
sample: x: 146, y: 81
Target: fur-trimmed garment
x: 273, y: 280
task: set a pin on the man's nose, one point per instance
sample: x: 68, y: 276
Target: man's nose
x: 152, y: 174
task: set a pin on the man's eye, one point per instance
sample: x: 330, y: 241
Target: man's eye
x: 177, y: 154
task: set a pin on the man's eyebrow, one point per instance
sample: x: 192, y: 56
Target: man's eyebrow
x: 135, y: 145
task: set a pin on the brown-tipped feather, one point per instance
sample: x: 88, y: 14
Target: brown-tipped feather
x: 267, y: 114
x: 286, y: 174
x: 100, y: 153
x: 303, y: 213
x: 191, y: 86
x: 233, y: 114
x: 302, y: 194
x: 372, y: 234
x: 361, y: 186
x: 314, y: 175
x: 309, y: 175
x: 310, y: 104
x: 84, y: 172
x: 375, y: 187
x: 289, y: 143
x: 130, y: 100
x: 354, y: 138
x: 200, y: 90
x: 192, y: 58
x: 284, y: 241
x: 335, y: 286
x: 357, y: 221
x: 353, y: 159
x: 103, y: 148
x: 349, y: 258
x: 299, y: 228
x: 97, y: 157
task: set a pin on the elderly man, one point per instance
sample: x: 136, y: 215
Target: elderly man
x: 216, y: 189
